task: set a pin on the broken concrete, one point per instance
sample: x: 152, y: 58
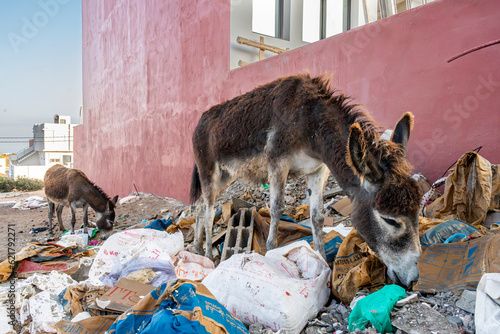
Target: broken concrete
x: 468, y: 301
x: 420, y: 318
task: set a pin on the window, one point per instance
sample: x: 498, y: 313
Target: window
x: 66, y: 159
x: 271, y: 18
x: 322, y: 19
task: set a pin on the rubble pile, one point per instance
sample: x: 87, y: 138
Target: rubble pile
x: 146, y: 276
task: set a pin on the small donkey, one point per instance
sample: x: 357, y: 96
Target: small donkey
x: 71, y: 187
x: 297, y: 124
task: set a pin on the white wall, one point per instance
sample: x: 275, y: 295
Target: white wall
x: 32, y: 172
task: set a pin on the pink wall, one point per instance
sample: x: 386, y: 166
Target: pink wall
x: 150, y: 68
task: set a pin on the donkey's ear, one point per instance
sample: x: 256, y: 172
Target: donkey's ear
x: 402, y: 130
x: 359, y: 157
x: 111, y: 204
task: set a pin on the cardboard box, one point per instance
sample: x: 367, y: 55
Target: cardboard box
x: 344, y: 206
x: 123, y: 295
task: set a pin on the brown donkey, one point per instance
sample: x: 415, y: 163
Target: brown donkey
x: 297, y: 124
x: 71, y: 187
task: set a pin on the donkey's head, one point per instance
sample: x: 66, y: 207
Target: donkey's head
x: 387, y: 201
x: 106, y: 219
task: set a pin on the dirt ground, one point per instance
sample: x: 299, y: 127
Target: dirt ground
x: 130, y: 213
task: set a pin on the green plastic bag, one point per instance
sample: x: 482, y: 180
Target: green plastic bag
x: 376, y: 308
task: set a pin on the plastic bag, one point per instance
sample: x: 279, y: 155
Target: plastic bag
x: 440, y: 233
x: 375, y: 308
x: 281, y: 290
x: 124, y: 246
x: 164, y: 271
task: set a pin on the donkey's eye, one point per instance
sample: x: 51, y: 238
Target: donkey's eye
x: 391, y: 222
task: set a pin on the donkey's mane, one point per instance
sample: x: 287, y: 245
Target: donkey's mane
x: 96, y: 187
x: 390, y: 153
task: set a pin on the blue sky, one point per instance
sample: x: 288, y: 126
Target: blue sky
x: 40, y: 66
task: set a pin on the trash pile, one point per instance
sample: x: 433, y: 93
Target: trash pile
x: 147, y: 278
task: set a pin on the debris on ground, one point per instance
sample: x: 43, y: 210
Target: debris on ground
x: 79, y: 277
x: 32, y: 202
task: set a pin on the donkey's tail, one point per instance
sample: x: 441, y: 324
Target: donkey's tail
x: 195, y: 185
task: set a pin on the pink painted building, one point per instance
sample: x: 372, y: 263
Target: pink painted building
x: 150, y: 68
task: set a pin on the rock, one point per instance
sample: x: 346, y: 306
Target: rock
x: 408, y: 300
x: 468, y: 322
x: 421, y: 319
x: 454, y: 320
x: 327, y: 318
x: 313, y: 330
x: 255, y: 328
x: 468, y: 301
x: 343, y: 311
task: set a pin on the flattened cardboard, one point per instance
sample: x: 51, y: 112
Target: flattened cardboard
x: 457, y: 266
x: 344, y: 206
x: 329, y: 221
x: 125, y: 294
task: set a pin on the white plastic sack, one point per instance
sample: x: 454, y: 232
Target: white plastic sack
x: 124, y: 246
x: 487, y: 313
x: 281, y: 290
x: 193, y: 266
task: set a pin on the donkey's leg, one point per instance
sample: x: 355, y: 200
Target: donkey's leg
x: 208, y: 221
x: 316, y: 184
x: 277, y: 180
x: 73, y: 217
x: 51, y: 215
x: 85, y: 216
x: 59, y: 210
x: 198, y: 232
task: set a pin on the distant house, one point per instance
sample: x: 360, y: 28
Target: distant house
x: 52, y: 144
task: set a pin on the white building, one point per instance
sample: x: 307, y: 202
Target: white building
x: 52, y: 144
